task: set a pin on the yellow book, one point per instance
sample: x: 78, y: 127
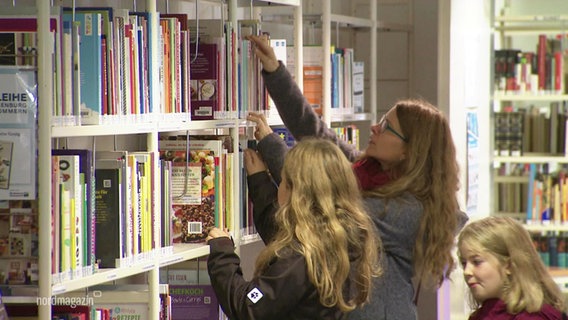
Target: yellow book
x: 73, y: 237
x: 65, y: 230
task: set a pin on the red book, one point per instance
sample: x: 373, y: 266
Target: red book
x: 541, y: 54
x: 204, y: 82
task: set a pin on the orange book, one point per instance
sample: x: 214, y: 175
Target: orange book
x: 313, y: 87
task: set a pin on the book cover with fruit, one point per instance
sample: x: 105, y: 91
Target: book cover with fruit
x: 194, y: 173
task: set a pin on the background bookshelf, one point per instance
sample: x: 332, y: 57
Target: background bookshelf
x: 528, y: 122
x: 529, y: 94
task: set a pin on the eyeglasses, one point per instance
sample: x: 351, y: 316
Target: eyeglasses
x: 384, y: 126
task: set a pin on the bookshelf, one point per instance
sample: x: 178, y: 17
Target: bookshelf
x: 528, y: 87
x: 341, y: 25
x: 523, y: 83
x: 141, y: 135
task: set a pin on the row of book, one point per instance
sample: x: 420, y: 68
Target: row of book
x: 104, y: 210
x: 512, y: 196
x: 347, y: 78
x: 521, y: 130
x: 536, y: 72
x: 349, y: 133
x: 552, y: 248
x: 107, y: 73
x: 538, y: 190
x: 105, y: 68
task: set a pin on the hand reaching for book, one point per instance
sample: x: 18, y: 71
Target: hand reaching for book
x: 253, y: 162
x: 217, y: 233
x: 264, y: 52
x: 262, y: 127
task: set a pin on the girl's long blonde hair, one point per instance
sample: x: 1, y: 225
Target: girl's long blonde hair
x: 325, y: 221
x: 430, y: 173
x: 528, y: 283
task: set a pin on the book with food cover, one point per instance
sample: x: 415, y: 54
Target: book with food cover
x: 193, y: 186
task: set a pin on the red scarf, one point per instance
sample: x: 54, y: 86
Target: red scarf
x: 370, y: 174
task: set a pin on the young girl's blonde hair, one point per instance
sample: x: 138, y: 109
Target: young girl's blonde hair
x: 325, y: 221
x: 528, y: 284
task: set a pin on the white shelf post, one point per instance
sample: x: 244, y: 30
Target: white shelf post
x: 45, y: 107
x: 373, y: 63
x: 326, y: 46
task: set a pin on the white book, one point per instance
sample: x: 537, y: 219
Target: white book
x: 358, y: 86
x: 279, y: 47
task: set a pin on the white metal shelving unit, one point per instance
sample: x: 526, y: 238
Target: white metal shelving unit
x: 47, y: 287
x: 45, y: 105
x: 328, y: 18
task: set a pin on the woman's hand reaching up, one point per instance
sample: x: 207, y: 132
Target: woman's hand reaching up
x: 262, y: 127
x: 264, y: 52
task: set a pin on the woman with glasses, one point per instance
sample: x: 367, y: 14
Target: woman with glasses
x: 408, y: 175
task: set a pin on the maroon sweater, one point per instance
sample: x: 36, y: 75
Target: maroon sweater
x: 496, y: 309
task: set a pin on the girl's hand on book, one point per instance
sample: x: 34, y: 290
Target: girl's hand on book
x: 262, y: 127
x: 217, y: 233
x: 253, y: 162
x: 264, y: 52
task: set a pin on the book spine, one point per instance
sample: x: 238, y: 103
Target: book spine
x: 91, y: 78
x: 541, y: 56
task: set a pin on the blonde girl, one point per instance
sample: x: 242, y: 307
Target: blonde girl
x: 505, y: 275
x: 320, y: 256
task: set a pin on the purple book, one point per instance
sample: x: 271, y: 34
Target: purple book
x: 193, y: 302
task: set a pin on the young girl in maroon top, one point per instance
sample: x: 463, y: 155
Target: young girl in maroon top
x: 504, y: 273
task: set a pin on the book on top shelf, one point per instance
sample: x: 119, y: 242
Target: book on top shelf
x: 358, y: 86
x: 91, y: 53
x: 212, y: 31
x: 184, y: 60
x: 313, y: 73
x: 204, y: 83
x: 280, y: 50
x: 108, y: 53
x: 252, y: 92
x: 175, y: 39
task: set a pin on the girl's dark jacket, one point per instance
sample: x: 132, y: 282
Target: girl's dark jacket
x: 283, y: 291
